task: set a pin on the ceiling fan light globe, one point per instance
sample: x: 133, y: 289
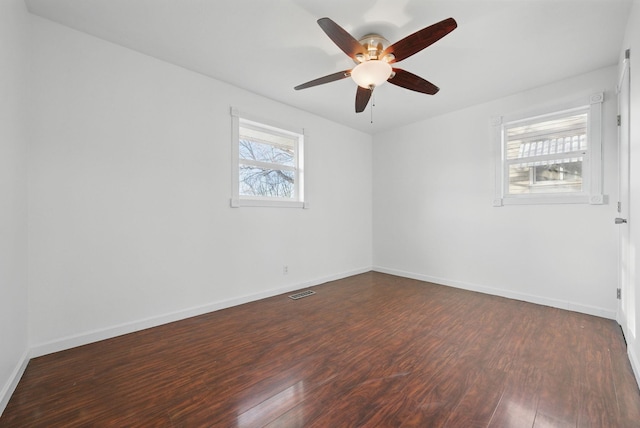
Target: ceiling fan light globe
x: 371, y: 73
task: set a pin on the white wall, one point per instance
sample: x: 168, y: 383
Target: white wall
x: 14, y: 48
x: 434, y: 219
x: 130, y: 179
x: 632, y: 329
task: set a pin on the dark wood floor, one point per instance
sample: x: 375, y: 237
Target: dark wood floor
x: 372, y: 350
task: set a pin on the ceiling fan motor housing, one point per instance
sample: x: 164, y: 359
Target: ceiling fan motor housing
x: 374, y: 44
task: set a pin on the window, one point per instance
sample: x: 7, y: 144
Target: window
x: 551, y: 157
x: 267, y: 165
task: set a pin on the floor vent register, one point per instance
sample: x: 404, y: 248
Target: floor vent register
x: 302, y: 294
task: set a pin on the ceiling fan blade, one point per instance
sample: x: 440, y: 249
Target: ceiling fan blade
x: 341, y: 38
x: 410, y: 81
x: 419, y: 40
x: 362, y: 98
x: 326, y: 79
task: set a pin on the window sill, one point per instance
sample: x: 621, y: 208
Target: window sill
x: 237, y: 203
x: 548, y: 199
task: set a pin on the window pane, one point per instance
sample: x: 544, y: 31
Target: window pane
x: 557, y: 176
x: 266, y: 182
x: 268, y: 135
x: 263, y: 152
x: 548, y: 137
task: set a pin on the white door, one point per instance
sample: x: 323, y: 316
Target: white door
x: 624, y: 276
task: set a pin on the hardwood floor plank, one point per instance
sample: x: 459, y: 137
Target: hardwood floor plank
x: 545, y: 421
x: 368, y: 350
x: 519, y: 401
x: 626, y: 389
x: 477, y: 406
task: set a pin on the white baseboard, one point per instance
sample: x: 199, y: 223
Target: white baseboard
x: 575, y: 307
x: 85, y: 338
x: 12, y: 382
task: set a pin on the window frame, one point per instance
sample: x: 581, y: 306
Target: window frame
x: 237, y: 200
x: 592, y: 158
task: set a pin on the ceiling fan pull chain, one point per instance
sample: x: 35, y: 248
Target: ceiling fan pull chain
x: 373, y: 104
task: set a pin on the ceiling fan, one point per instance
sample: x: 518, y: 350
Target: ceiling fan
x: 373, y: 56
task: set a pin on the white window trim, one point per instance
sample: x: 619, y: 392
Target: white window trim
x: 592, y: 193
x: 238, y: 200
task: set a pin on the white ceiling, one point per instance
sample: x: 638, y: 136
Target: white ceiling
x: 269, y: 46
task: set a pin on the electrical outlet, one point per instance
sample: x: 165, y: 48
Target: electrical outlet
x: 285, y: 270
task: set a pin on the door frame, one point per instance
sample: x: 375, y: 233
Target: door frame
x: 624, y: 248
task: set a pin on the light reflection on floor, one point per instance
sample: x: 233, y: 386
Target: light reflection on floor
x: 273, y: 407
